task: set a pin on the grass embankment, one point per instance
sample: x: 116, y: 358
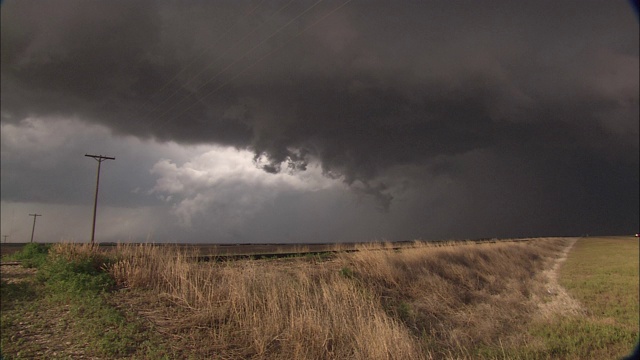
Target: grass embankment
x: 63, y: 312
x: 463, y: 301
x: 602, y: 274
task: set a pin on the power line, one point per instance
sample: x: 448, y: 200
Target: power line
x: 145, y: 115
x: 99, y: 159
x: 33, y: 230
x: 275, y: 50
x: 188, y: 96
x: 193, y: 61
x: 255, y: 62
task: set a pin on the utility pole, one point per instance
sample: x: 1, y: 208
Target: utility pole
x: 5, y: 238
x: 99, y: 159
x: 33, y: 230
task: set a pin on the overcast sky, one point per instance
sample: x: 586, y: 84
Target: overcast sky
x: 319, y: 121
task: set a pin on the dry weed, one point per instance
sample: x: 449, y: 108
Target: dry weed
x: 415, y: 302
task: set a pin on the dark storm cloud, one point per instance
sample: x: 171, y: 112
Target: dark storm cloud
x: 551, y: 87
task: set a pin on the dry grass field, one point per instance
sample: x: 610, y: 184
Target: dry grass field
x: 463, y: 301
x: 502, y: 300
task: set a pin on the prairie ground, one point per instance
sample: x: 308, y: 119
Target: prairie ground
x: 537, y: 299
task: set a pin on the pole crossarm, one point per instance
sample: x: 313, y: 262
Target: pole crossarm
x: 99, y: 159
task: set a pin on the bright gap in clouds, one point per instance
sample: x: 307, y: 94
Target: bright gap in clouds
x: 224, y: 185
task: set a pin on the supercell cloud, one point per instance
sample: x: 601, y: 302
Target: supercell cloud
x: 501, y: 117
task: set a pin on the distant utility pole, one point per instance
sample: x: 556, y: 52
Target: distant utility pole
x: 5, y: 238
x: 99, y: 159
x: 33, y: 230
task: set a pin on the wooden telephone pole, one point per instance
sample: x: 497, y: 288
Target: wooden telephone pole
x: 99, y: 159
x: 33, y: 230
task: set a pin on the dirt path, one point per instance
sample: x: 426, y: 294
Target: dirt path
x: 557, y: 300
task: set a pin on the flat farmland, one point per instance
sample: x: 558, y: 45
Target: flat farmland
x: 602, y: 275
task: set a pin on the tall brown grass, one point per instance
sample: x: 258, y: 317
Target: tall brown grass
x: 79, y: 252
x: 458, y: 297
x: 417, y: 302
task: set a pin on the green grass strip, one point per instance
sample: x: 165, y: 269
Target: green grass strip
x: 70, y: 297
x: 602, y: 274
